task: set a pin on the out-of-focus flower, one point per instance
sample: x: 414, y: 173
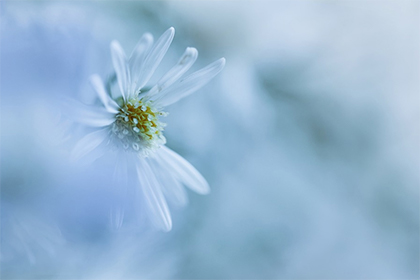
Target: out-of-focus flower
x: 127, y: 123
x: 26, y: 235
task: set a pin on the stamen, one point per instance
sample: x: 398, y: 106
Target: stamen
x: 141, y: 117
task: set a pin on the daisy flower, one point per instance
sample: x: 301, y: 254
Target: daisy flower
x: 130, y: 124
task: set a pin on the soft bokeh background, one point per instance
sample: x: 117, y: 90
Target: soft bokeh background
x: 309, y: 139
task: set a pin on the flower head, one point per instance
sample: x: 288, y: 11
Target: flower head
x: 129, y: 122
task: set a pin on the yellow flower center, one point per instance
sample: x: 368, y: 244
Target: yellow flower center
x: 137, y: 127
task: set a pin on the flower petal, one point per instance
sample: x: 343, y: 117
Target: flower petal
x: 89, y: 143
x: 137, y: 58
x: 87, y: 115
x: 191, y: 83
x: 120, y: 179
x: 182, y: 170
x: 172, y: 188
x: 99, y: 87
x: 154, y: 57
x: 184, y: 63
x: 121, y: 67
x: 155, y: 201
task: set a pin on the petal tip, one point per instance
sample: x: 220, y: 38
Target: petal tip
x: 167, y: 227
x: 192, y: 51
x: 114, y: 44
x: 148, y: 36
x: 170, y: 32
x: 205, y: 190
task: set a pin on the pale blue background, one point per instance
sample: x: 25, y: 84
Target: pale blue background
x: 309, y: 139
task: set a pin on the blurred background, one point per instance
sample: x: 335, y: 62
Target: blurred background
x: 309, y: 139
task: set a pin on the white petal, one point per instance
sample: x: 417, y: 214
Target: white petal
x: 191, y: 83
x: 121, y: 67
x: 99, y: 87
x: 120, y: 179
x: 154, y: 57
x: 184, y: 63
x: 117, y: 216
x: 88, y: 143
x: 87, y: 115
x: 173, y: 190
x: 155, y: 201
x: 183, y: 170
x: 137, y: 58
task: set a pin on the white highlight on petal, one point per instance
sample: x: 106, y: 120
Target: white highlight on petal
x: 88, y: 143
x: 154, y: 57
x: 99, y: 87
x: 182, y: 170
x: 137, y: 58
x: 119, y: 61
x: 185, y: 62
x: 190, y: 84
x: 155, y: 201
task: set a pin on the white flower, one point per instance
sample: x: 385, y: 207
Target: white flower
x: 130, y: 123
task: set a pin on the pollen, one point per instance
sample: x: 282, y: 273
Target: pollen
x: 137, y: 127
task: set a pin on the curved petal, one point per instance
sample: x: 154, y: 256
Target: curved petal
x: 155, y: 201
x: 182, y: 170
x: 99, y: 87
x: 172, y: 188
x: 190, y: 84
x: 88, y: 143
x: 154, y: 57
x: 87, y: 115
x: 137, y: 57
x: 185, y: 62
x: 121, y: 67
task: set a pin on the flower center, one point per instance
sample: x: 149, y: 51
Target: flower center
x: 137, y: 127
